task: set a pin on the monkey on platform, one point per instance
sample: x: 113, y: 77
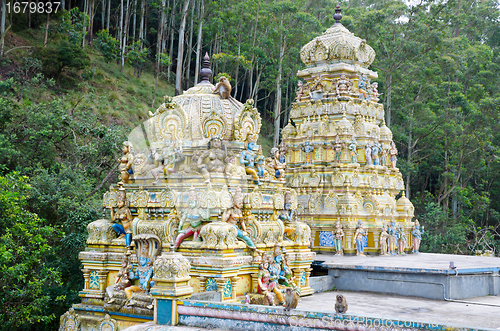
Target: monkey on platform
x: 223, y: 87
x: 341, y: 304
x: 291, y: 299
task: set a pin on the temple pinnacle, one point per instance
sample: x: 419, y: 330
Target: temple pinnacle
x: 338, y: 15
x: 205, y: 72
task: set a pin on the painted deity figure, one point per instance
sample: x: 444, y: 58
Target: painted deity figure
x: 122, y: 278
x: 392, y: 237
x: 125, y: 162
x: 195, y: 216
x: 354, y: 153
x: 362, y: 84
x: 338, y: 237
x: 374, y: 92
x: 122, y: 217
x: 247, y: 158
x: 260, y: 163
x: 308, y: 149
x: 384, y: 155
x: 343, y: 86
x: 287, y: 214
x: 300, y: 91
x: 360, y: 238
x: 368, y: 154
x: 401, y: 235
x: 143, y: 272
x: 417, y: 236
x: 282, y: 153
x: 234, y: 216
x: 297, y: 179
x: 375, y: 153
x: 212, y: 160
x: 384, y: 237
x: 265, y: 286
x: 275, y: 271
x: 285, y: 277
x: 279, y: 168
x: 337, y: 149
x: 393, y: 152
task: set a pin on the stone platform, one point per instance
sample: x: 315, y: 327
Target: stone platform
x: 421, y: 275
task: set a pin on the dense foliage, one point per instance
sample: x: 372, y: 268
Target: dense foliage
x: 439, y: 74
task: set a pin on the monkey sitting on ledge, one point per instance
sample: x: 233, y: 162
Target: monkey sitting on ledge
x: 341, y: 304
x: 291, y: 299
x: 223, y: 87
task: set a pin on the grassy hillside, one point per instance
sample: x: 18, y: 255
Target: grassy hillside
x: 119, y: 98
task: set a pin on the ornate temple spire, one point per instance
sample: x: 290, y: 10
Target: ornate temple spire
x: 338, y: 15
x: 205, y: 72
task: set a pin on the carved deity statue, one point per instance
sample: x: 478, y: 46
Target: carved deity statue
x: 195, y: 216
x: 362, y: 84
x: 392, y: 237
x: 122, y: 217
x: 374, y: 92
x: 125, y: 162
x: 297, y: 179
x: 265, y: 285
x: 247, y: 158
x: 401, y: 239
x: 234, y: 216
x: 360, y: 239
x: 287, y: 213
x: 343, y: 86
x: 300, y: 91
x: 337, y: 149
x: 375, y: 153
x: 143, y: 272
x: 354, y: 153
x: 279, y: 168
x: 122, y: 278
x: 338, y: 237
x: 212, y: 160
x: 417, y: 236
x: 384, y: 155
x: 394, y: 153
x: 384, y: 237
x: 308, y: 149
x: 275, y: 271
x: 368, y: 154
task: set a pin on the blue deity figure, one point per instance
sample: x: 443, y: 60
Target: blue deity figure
x: 247, y: 158
x: 360, y: 236
x: 260, y: 163
x: 375, y: 151
x: 143, y: 272
x: 392, y: 237
x: 287, y: 214
x: 362, y: 87
x: 417, y: 236
x: 308, y: 148
x: 234, y: 216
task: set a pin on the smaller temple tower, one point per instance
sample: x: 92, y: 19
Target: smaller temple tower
x: 341, y: 158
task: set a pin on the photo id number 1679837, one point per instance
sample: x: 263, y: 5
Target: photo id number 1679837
x: 22, y: 7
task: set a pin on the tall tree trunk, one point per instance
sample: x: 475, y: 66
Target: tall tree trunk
x: 190, y: 45
x: 198, y: 44
x: 2, y: 28
x: 141, y: 22
x: 109, y: 15
x: 63, y: 4
x: 159, y: 37
x: 178, y: 72
x: 91, y: 18
x: 388, y: 84
x: 172, y: 34
x: 120, y: 31
x: 135, y: 19
x: 277, y: 104
x: 46, y: 31
x: 410, y: 151
x: 125, y: 36
x: 103, y: 14
x: 86, y: 11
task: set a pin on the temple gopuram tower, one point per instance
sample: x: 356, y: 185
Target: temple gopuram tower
x: 341, y: 158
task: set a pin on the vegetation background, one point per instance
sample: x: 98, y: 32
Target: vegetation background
x: 73, y: 84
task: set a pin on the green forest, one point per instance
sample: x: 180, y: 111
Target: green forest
x: 74, y: 82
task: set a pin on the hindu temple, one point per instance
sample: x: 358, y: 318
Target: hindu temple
x: 198, y: 212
